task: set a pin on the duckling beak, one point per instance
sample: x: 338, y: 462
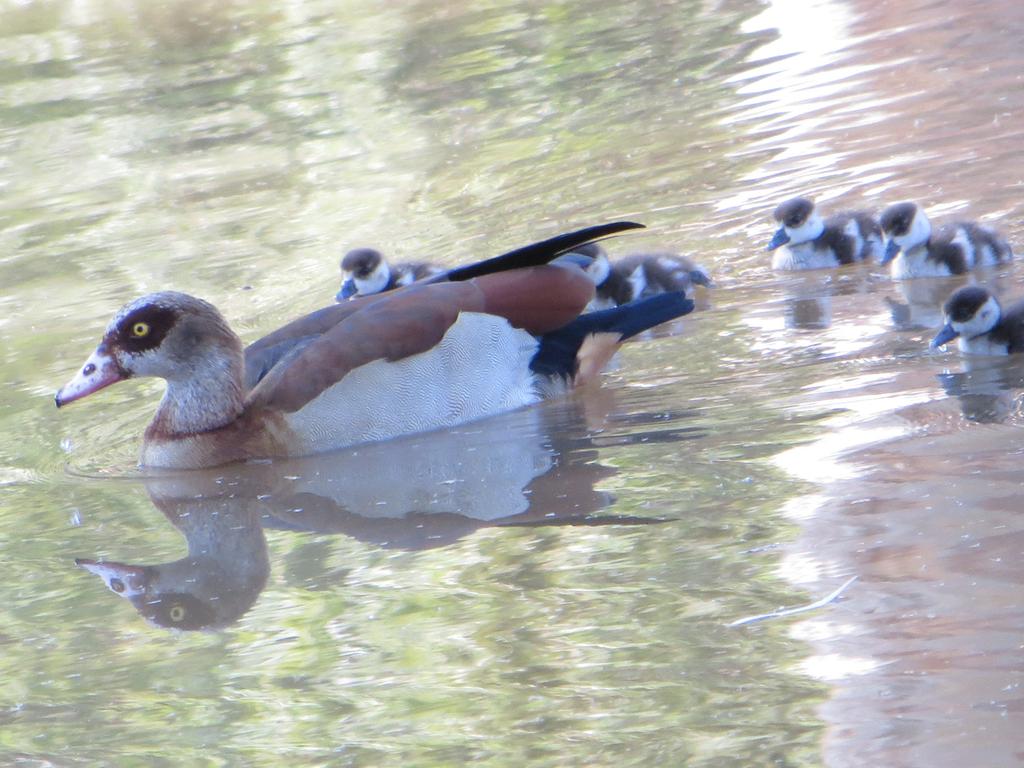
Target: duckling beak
x: 700, y: 277
x: 779, y: 238
x: 99, y: 371
x: 891, y: 249
x: 348, y: 290
x: 946, y: 335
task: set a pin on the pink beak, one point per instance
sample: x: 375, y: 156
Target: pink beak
x: 125, y: 580
x: 99, y: 371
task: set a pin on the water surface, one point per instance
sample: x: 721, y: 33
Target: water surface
x: 550, y: 587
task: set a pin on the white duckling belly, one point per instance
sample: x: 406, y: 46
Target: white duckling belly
x: 981, y: 345
x: 480, y: 367
x: 803, y: 256
x: 916, y: 264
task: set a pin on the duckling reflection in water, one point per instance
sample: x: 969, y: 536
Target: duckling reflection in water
x: 988, y: 389
x: 920, y: 303
x: 808, y: 303
x: 809, y: 296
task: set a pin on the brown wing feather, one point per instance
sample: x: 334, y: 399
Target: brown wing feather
x: 287, y: 342
x: 412, y: 320
x: 537, y: 299
x: 402, y: 323
x: 313, y: 324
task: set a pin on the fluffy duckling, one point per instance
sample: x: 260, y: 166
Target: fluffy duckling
x: 915, y: 250
x: 365, y: 272
x: 974, y: 317
x: 804, y: 240
x: 640, y: 275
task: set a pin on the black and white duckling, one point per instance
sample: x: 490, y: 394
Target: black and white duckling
x: 804, y: 240
x: 612, y: 288
x: 915, y: 250
x: 973, y: 317
x: 365, y: 271
x: 639, y: 275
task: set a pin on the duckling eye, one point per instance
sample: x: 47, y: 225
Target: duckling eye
x: 177, y: 613
x: 140, y: 329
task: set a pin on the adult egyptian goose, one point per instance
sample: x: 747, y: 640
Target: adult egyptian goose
x: 365, y: 271
x: 476, y: 341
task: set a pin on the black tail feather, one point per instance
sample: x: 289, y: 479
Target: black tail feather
x: 535, y: 254
x: 557, y: 352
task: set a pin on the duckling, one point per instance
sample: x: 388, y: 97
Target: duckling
x: 639, y: 275
x: 811, y: 242
x: 365, y: 271
x: 662, y: 271
x: 612, y: 288
x: 974, y: 317
x: 915, y: 250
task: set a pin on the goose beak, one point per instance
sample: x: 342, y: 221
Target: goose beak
x: 124, y: 580
x: 779, y: 238
x: 946, y: 335
x: 99, y: 371
x: 891, y: 249
x: 348, y: 290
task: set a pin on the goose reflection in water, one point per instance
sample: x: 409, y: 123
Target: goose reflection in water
x: 530, y: 468
x: 808, y: 297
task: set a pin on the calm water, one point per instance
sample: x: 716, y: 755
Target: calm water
x: 550, y: 587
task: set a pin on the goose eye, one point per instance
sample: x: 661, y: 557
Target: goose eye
x: 177, y: 613
x: 140, y: 329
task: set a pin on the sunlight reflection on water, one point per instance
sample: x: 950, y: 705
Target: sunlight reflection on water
x: 235, y: 150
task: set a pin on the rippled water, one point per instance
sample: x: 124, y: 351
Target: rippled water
x: 550, y: 587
